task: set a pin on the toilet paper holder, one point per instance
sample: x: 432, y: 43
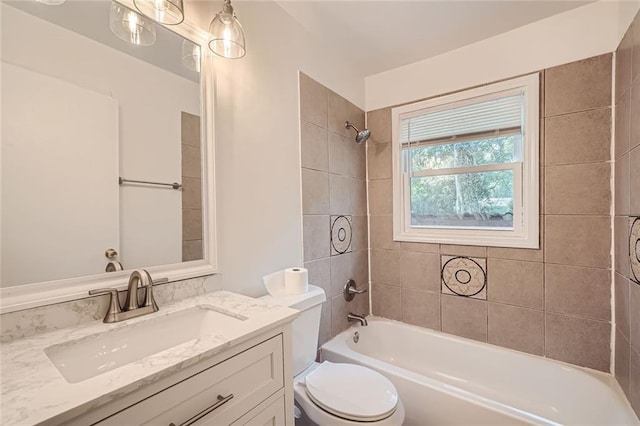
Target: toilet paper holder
x: 350, y: 290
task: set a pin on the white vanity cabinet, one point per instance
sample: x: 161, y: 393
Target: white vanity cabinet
x: 246, y: 385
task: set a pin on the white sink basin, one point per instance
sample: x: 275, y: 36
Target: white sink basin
x: 90, y: 356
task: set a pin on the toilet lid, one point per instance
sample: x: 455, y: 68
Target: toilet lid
x: 352, y: 391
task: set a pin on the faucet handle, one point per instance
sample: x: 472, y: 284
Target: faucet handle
x: 349, y: 291
x: 114, y: 302
x: 148, y: 296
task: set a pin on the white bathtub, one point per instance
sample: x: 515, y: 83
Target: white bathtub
x: 443, y: 379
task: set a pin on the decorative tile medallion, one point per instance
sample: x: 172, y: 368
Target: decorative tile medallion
x: 634, y: 248
x: 341, y: 235
x: 464, y: 276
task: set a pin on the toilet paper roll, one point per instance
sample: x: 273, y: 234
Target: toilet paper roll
x: 296, y: 280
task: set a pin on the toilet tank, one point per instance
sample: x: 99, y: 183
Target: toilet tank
x: 306, y: 327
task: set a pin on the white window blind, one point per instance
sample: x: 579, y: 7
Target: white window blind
x: 502, y: 114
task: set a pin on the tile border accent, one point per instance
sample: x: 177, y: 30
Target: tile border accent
x: 464, y: 276
x: 341, y: 235
x: 634, y: 249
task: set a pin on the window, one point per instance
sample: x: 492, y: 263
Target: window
x: 465, y: 167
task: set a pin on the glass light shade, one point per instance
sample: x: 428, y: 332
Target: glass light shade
x: 191, y: 55
x: 130, y: 26
x: 227, y: 35
x: 51, y: 2
x: 168, y: 12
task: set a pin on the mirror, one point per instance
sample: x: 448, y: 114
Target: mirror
x: 104, y: 154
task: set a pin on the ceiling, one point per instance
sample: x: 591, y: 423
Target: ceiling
x: 382, y: 35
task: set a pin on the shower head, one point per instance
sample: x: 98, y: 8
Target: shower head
x: 361, y: 136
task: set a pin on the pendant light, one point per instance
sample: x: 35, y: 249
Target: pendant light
x: 130, y: 26
x: 227, y: 35
x: 168, y: 12
x: 191, y: 55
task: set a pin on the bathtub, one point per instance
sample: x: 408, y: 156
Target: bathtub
x: 443, y: 379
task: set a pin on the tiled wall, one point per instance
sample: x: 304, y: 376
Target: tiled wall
x: 554, y: 301
x: 192, y: 184
x: 627, y: 210
x: 334, y: 201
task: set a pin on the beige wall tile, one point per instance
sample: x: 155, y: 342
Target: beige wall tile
x: 190, y: 129
x: 360, y: 262
x: 325, y: 333
x: 191, y: 161
x: 315, y: 192
x: 338, y: 113
x: 314, y: 146
x: 420, y: 271
x: 313, y: 101
x: 582, y: 137
x: 191, y: 225
x: 340, y: 153
x: 584, y: 292
x: 380, y: 197
x: 635, y: 54
x: 464, y: 317
x: 339, y: 195
x: 341, y: 272
x: 320, y: 274
x: 387, y: 301
x: 359, y: 160
x: 623, y: 126
x: 420, y: 247
x: 358, y: 197
x: 578, y: 86
x: 623, y: 352
x: 579, y: 341
x: 622, y: 193
x: 621, y: 242
x: 339, y: 311
x: 530, y: 255
x: 634, y: 315
x: 623, y: 64
x: 191, y: 250
x: 191, y: 193
x: 379, y: 161
x: 315, y: 236
x: 381, y: 233
x: 634, y: 379
x: 634, y: 182
x: 515, y: 282
x: 379, y: 122
x: 469, y: 251
x: 385, y: 267
x: 359, y: 233
x: 578, y: 189
x: 634, y: 111
x: 578, y: 240
x: 421, y: 308
x: 516, y: 328
x: 621, y: 290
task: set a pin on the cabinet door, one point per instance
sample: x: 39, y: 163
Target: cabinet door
x: 273, y: 415
x: 220, y: 394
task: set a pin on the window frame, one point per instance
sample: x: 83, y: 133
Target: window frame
x: 525, y: 232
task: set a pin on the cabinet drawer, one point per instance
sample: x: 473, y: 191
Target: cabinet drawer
x: 222, y: 393
x: 272, y: 415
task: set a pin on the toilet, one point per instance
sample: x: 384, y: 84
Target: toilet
x: 328, y: 394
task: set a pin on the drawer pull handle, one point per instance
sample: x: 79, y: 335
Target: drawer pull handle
x: 219, y: 403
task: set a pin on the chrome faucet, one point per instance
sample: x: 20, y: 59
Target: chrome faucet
x: 360, y: 318
x: 139, y: 278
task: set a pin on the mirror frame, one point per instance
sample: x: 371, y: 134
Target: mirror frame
x: 33, y: 295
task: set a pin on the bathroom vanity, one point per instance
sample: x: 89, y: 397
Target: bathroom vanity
x: 219, y: 358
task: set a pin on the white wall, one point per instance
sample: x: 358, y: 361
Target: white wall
x: 257, y: 139
x: 580, y: 33
x: 150, y: 147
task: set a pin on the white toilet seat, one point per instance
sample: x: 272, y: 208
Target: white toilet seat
x: 352, y: 392
x: 325, y: 417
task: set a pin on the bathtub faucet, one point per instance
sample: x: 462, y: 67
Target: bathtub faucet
x: 360, y: 318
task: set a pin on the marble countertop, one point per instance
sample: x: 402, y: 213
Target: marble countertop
x: 33, y: 390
